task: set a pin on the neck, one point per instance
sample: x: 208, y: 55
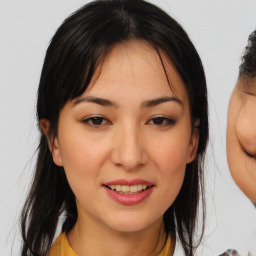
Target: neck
x: 90, y: 239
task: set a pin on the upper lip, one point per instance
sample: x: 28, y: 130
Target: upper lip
x: 128, y: 182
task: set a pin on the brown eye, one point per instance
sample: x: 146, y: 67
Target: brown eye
x: 158, y: 120
x: 96, y: 121
x: 162, y: 121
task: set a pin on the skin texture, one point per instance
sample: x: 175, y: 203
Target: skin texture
x: 127, y: 143
x: 241, y: 136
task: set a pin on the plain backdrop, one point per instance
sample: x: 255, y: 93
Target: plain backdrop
x: 218, y: 28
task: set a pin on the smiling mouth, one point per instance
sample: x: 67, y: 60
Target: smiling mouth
x: 128, y: 190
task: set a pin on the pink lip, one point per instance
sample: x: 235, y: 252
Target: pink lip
x: 126, y: 199
x: 129, y: 182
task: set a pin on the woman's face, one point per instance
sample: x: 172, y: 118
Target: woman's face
x: 241, y: 136
x: 125, y: 142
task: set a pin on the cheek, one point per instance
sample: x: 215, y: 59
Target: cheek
x: 246, y: 129
x: 233, y: 147
x: 241, y: 135
x: 170, y: 162
x: 170, y: 157
x: 82, y: 156
x: 169, y: 154
x: 82, y: 162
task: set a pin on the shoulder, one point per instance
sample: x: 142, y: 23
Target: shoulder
x: 56, y: 248
x: 61, y: 247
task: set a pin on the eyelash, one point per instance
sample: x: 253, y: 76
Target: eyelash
x: 164, y: 121
x: 248, y: 154
x: 248, y: 93
x: 97, y: 121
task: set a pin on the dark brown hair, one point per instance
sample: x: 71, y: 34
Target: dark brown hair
x: 77, y: 48
x: 248, y: 61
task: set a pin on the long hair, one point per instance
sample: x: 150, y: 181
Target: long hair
x: 80, y: 44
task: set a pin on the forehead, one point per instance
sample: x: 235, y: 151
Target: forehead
x: 136, y: 64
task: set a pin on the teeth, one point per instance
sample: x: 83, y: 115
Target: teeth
x: 124, y: 189
x: 134, y: 188
x: 139, y: 187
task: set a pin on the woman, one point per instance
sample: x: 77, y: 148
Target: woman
x: 122, y: 106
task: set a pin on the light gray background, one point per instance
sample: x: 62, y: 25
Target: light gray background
x: 219, y: 30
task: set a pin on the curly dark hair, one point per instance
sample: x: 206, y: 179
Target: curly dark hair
x: 248, y: 61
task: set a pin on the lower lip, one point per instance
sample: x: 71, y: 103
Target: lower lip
x: 126, y: 199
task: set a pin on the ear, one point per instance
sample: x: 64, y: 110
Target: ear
x: 194, y: 140
x: 53, y: 143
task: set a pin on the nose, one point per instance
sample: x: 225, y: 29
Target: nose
x: 129, y: 150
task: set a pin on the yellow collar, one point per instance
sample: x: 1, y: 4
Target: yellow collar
x: 61, y: 247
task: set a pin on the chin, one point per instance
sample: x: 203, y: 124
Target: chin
x: 128, y: 224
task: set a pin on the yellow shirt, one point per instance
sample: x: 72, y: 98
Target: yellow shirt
x: 61, y: 247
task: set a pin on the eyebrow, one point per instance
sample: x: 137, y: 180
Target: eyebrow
x: 100, y: 101
x: 145, y: 104
x: 157, y: 101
